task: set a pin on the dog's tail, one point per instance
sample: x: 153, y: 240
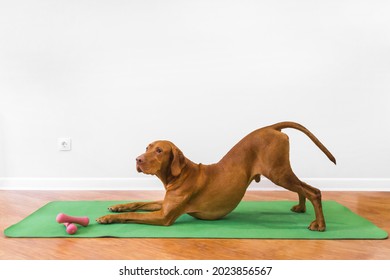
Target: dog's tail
x: 282, y: 125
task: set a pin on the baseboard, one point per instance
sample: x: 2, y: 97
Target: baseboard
x: 80, y: 184
x: 324, y: 184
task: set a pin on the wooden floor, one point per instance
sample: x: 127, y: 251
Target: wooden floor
x: 15, y: 205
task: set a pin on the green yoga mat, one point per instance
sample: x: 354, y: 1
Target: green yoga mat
x: 251, y: 219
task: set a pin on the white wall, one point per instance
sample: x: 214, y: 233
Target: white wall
x: 115, y: 75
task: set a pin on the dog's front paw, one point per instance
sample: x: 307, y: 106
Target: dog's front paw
x: 105, y: 219
x: 118, y: 208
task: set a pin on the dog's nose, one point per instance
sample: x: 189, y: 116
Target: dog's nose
x: 139, y: 159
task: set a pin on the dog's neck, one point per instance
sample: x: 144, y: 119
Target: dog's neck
x: 164, y: 178
x: 167, y: 178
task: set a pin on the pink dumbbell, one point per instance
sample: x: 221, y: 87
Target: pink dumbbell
x: 63, y: 218
x: 70, y: 228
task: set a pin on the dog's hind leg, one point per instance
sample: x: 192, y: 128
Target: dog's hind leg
x: 290, y: 181
x: 301, y: 207
x: 314, y: 195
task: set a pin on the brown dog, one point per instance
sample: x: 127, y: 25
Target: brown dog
x: 211, y: 192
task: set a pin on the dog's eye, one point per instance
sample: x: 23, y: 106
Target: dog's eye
x: 159, y: 150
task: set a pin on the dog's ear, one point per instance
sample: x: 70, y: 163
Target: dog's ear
x: 178, y: 161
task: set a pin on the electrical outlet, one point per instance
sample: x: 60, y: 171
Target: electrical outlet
x: 64, y: 144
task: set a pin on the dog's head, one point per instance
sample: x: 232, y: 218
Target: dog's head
x: 162, y: 158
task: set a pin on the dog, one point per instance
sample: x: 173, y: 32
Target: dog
x: 210, y: 192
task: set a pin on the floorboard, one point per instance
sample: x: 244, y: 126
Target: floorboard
x: 15, y: 205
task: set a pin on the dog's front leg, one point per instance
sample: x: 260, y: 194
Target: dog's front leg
x: 166, y: 216
x: 151, y: 218
x: 135, y: 206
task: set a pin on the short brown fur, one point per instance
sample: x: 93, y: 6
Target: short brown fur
x: 211, y: 192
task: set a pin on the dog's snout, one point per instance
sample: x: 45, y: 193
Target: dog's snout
x: 139, y: 159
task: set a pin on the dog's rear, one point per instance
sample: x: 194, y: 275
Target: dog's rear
x: 283, y: 125
x: 274, y: 163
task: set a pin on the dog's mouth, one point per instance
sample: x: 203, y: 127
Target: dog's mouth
x: 144, y: 170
